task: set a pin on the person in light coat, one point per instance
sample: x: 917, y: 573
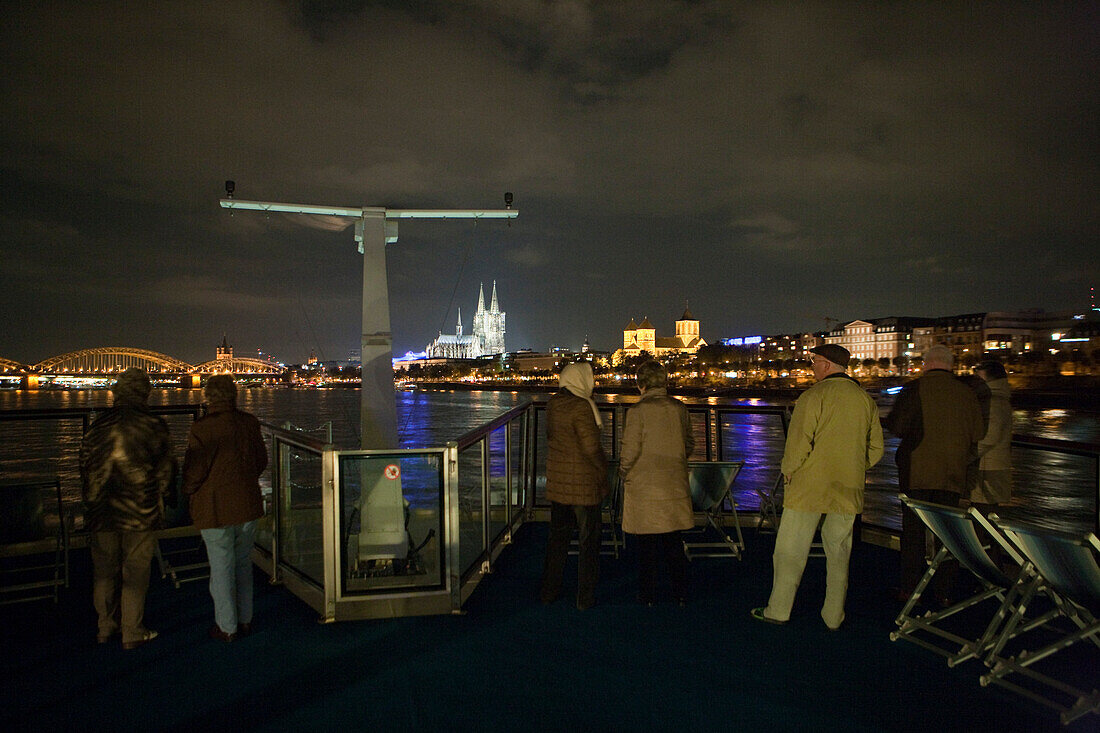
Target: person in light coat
x: 833, y: 439
x: 657, y: 441
x: 994, y: 450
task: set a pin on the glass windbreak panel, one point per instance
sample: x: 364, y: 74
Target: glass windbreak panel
x: 301, y: 531
x: 42, y: 449
x: 515, y: 466
x: 1052, y: 489
x: 471, y: 508
x: 498, y: 481
x: 608, y: 418
x: 391, y: 523
x: 265, y: 530
x: 698, y: 420
x: 757, y: 440
x: 541, y: 451
x: 881, y: 505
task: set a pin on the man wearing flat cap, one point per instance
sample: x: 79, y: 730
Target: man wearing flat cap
x: 833, y: 438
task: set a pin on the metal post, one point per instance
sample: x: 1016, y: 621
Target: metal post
x: 378, y: 410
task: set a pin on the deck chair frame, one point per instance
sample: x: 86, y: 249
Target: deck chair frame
x: 181, y: 555
x: 957, y: 532
x: 712, y: 489
x: 32, y: 580
x: 1068, y: 564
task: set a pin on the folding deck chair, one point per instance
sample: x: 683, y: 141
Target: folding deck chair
x: 956, y: 530
x: 27, y: 542
x: 1067, y: 563
x: 180, y: 551
x: 711, y: 490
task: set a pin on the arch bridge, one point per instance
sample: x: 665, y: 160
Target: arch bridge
x: 111, y: 360
x: 236, y: 365
x: 7, y: 366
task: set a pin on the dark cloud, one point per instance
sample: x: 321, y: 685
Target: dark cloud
x: 771, y: 163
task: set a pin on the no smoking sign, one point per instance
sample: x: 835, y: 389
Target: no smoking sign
x: 393, y: 471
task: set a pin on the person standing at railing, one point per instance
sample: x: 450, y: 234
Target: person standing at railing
x: 657, y: 442
x: 939, y: 421
x: 834, y: 438
x: 576, y: 483
x: 994, y: 481
x: 127, y: 472
x: 221, y: 472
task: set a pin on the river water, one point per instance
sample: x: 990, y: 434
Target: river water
x: 1055, y: 489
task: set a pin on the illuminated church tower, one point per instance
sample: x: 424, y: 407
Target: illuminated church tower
x: 225, y: 351
x: 487, y: 337
x: 489, y: 324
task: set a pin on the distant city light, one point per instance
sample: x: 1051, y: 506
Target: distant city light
x: 746, y: 341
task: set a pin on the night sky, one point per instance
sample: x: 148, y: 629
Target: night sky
x: 770, y: 164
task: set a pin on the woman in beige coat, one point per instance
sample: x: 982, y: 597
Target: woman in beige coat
x: 656, y: 497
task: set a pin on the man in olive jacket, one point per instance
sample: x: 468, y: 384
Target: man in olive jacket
x: 576, y: 483
x: 833, y: 439
x: 939, y: 421
x: 221, y: 471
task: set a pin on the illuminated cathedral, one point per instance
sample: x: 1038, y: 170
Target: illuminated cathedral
x: 487, y: 337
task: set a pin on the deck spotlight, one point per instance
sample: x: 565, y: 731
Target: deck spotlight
x: 507, y: 199
x: 230, y: 186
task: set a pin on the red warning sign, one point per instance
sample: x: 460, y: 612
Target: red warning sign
x: 392, y: 471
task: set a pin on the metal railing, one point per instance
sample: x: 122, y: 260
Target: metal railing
x: 378, y: 533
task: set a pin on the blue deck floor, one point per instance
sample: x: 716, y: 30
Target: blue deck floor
x: 509, y: 663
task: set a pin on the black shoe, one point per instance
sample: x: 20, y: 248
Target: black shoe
x: 758, y: 614
x: 218, y: 635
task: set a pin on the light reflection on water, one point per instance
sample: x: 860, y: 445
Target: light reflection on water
x: 1053, y: 488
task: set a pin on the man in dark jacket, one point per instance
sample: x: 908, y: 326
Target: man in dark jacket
x: 127, y: 470
x: 576, y: 483
x: 225, y: 457
x: 939, y: 422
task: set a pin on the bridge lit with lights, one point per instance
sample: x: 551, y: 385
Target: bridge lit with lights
x: 95, y: 367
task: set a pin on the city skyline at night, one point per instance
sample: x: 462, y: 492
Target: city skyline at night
x: 778, y: 165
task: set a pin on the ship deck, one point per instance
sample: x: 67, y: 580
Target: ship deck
x: 509, y: 662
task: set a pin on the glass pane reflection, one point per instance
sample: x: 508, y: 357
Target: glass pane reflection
x: 300, y: 528
x: 391, y: 523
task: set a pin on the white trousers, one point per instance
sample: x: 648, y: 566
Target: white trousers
x: 792, y: 547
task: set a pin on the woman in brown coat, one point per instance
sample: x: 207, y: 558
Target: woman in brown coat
x: 576, y: 483
x: 656, y: 496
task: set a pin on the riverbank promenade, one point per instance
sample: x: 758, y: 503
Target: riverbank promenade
x: 509, y: 663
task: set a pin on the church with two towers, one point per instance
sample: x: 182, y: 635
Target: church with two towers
x: 487, y: 337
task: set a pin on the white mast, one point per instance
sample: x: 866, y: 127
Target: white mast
x: 375, y: 227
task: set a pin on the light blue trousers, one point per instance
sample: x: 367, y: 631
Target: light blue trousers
x: 228, y: 549
x: 792, y: 547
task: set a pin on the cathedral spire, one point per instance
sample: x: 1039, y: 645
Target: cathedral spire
x: 458, y: 329
x: 494, y: 308
x: 481, y: 298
